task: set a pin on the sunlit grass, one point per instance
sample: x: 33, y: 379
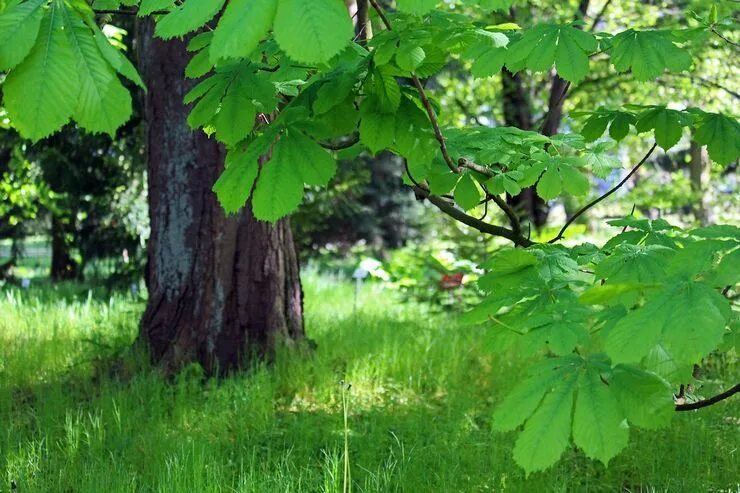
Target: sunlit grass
x: 81, y: 412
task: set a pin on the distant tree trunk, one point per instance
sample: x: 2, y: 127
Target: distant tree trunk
x: 221, y: 289
x: 63, y: 266
x: 699, y: 173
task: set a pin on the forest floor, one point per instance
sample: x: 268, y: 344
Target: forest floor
x: 81, y: 412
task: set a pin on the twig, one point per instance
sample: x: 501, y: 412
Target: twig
x: 708, y: 402
x: 607, y: 194
x: 725, y: 39
x: 424, y: 100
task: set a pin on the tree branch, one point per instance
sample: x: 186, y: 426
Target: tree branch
x: 424, y: 100
x: 708, y: 402
x: 475, y: 223
x: 607, y: 194
x: 128, y: 12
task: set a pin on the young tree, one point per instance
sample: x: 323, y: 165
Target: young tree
x: 616, y: 327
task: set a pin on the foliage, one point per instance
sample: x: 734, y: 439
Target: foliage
x: 298, y: 84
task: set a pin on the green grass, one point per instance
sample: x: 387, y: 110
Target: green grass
x: 80, y: 412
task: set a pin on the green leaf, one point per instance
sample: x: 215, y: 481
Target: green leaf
x: 549, y: 185
x: 645, y: 398
x: 312, y: 32
x: 620, y: 125
x: 385, y: 88
x: 235, y: 118
x: 187, y: 17
x: 647, y: 54
x: 668, y: 125
x: 547, y: 44
x: 315, y: 165
x: 19, y: 27
x: 546, y: 434
x: 232, y: 39
x: 598, y: 427
x: 377, y: 130
x: 685, y: 318
x: 467, y: 194
x: 601, y: 161
x: 242, y: 165
x: 117, y: 60
x: 416, y: 7
x: 279, y: 188
x: 147, y: 7
x: 721, y: 135
x: 521, y: 402
x: 103, y: 104
x: 41, y: 92
x: 199, y: 65
x: 409, y: 56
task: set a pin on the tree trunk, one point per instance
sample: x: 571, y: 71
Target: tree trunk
x: 221, y: 289
x: 63, y: 266
x: 699, y: 173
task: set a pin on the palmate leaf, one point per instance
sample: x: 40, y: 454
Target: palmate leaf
x: 103, y: 103
x: 147, y: 7
x: 187, y: 17
x: 547, y: 432
x: 547, y: 44
x: 599, y: 428
x: 41, y: 92
x: 648, y: 54
x: 666, y: 123
x: 312, y: 32
x: 116, y: 59
x: 234, y: 185
x: 19, y: 26
x: 232, y: 38
x: 687, y: 318
x: 296, y: 159
x: 721, y: 135
x: 645, y: 398
x: 560, y: 173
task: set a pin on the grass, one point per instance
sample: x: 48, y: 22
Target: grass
x: 80, y: 412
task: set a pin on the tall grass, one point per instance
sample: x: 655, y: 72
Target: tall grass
x: 81, y: 412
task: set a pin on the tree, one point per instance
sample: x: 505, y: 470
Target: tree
x: 220, y: 287
x: 616, y: 327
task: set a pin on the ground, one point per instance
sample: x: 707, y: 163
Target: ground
x: 82, y: 412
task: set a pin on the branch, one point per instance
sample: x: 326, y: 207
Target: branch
x: 475, y: 223
x: 128, y: 12
x: 607, y: 194
x: 354, y: 139
x: 708, y: 402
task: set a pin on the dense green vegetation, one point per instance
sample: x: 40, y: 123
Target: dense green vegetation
x: 81, y: 413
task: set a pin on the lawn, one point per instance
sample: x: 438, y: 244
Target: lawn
x: 81, y: 412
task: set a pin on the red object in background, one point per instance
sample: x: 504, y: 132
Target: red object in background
x: 451, y: 281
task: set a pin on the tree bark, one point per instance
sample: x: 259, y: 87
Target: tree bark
x: 222, y: 290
